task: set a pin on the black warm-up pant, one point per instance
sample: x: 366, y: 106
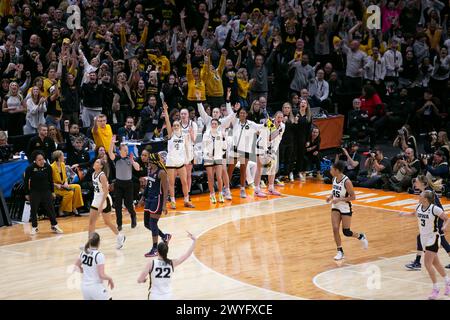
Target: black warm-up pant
x: 123, y: 190
x: 46, y: 199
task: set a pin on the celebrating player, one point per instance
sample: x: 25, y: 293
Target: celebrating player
x: 161, y: 269
x: 102, y: 203
x: 341, y: 208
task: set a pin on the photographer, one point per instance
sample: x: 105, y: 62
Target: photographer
x: 405, y: 169
x: 358, y: 123
x: 352, y: 159
x: 378, y: 167
x: 405, y: 140
x: 438, y: 169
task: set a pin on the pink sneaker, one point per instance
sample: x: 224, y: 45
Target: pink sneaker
x: 447, y: 289
x: 260, y: 194
x: 274, y: 192
x: 434, y: 294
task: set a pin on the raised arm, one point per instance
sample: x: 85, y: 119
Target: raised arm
x: 111, y: 153
x: 187, y: 254
x: 167, y: 120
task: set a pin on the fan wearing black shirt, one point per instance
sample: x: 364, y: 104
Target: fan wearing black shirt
x: 378, y: 167
x: 41, y: 142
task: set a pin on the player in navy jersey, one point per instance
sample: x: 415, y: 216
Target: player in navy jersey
x: 422, y: 183
x: 154, y: 199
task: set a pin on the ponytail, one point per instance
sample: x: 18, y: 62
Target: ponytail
x: 163, y: 249
x: 94, y: 241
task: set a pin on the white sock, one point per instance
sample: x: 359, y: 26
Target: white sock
x: 435, y: 286
x: 172, y: 199
x: 186, y: 199
x: 243, y: 188
x: 271, y: 186
x: 447, y: 279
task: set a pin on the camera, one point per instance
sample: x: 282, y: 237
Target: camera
x: 401, y: 156
x: 423, y: 156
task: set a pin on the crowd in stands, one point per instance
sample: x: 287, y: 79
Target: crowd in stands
x: 248, y: 73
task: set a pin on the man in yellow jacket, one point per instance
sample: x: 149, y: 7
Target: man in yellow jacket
x: 213, y: 84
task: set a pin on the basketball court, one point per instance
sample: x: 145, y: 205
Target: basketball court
x: 275, y: 248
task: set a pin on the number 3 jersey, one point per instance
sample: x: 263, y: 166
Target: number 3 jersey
x: 428, y: 223
x: 161, y: 276
x: 340, y: 192
x: 89, y: 263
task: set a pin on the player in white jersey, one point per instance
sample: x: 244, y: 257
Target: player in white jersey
x: 176, y: 159
x: 189, y: 130
x: 102, y: 203
x: 161, y: 271
x: 341, y: 208
x: 213, y: 145
x: 267, y: 150
x: 91, y: 264
x: 428, y: 214
x: 225, y: 117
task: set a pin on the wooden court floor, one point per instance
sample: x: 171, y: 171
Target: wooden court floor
x: 275, y: 248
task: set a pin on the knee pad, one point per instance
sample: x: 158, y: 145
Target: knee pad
x: 347, y: 232
x: 154, y: 227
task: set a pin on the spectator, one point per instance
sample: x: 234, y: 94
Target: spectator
x: 427, y: 112
x: 358, y: 124
x: 92, y: 94
x: 378, y: 168
x: 196, y: 81
x: 312, y: 152
x: 319, y: 90
x: 436, y: 168
x: 72, y: 132
x: 259, y: 70
x: 70, y: 193
x: 77, y: 155
x: 405, y: 169
x: 243, y: 86
x: 14, y: 106
x: 39, y: 190
x: 56, y: 136
x: 394, y: 61
x: 371, y: 102
x: 41, y: 142
x: 440, y: 75
x: 256, y: 113
x: 356, y: 60
x: 128, y: 132
x: 102, y: 132
x: 213, y: 79
x: 304, y: 73
x: 375, y: 70
x: 36, y: 108
x: 287, y: 145
x: 303, y: 124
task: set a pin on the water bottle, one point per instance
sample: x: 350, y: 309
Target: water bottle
x: 22, y: 155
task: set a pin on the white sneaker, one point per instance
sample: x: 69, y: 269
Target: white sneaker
x: 279, y: 183
x: 243, y: 194
x: 302, y: 177
x: 227, y: 194
x: 339, y: 256
x: 34, y: 231
x: 365, y: 242
x: 57, y: 229
x: 120, y: 241
x: 251, y: 185
x: 291, y: 177
x: 262, y: 184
